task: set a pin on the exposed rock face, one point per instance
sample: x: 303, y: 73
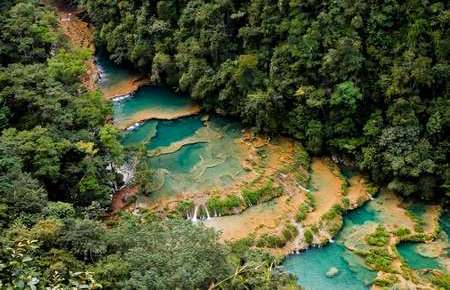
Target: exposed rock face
x: 332, y: 272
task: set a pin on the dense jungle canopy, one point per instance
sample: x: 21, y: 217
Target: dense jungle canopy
x: 57, y: 153
x: 364, y: 80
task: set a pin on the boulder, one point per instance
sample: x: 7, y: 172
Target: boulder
x: 333, y: 271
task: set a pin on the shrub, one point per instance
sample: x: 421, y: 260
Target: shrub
x: 242, y: 245
x: 59, y: 210
x: 266, y: 192
x: 214, y: 204
x: 372, y: 189
x: 345, y: 203
x: 308, y: 236
x: 301, y: 157
x: 184, y: 207
x: 333, y: 212
x: 379, y: 238
x: 311, y: 200
x: 333, y: 226
x: 345, y: 185
x: 250, y: 197
x: 47, y: 229
x: 417, y: 238
x: 302, y: 212
x: 441, y: 280
x: 270, y: 241
x: 379, y: 260
x: 223, y: 206
x: 386, y: 281
x: 418, y: 220
x: 402, y: 232
x: 290, y: 232
x: 418, y: 227
x: 231, y: 201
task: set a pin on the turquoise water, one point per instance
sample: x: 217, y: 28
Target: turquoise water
x: 362, y: 215
x: 211, y: 161
x: 409, y: 252
x: 208, y: 159
x: 417, y: 209
x: 175, y: 130
x: 201, y: 166
x: 143, y: 134
x: 311, y: 266
x: 149, y: 98
x: 181, y: 161
x: 110, y: 73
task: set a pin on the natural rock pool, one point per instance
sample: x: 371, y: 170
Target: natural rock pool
x: 189, y: 154
x: 410, y: 253
x: 434, y: 255
x: 152, y: 103
x: 193, y: 153
x: 311, y: 266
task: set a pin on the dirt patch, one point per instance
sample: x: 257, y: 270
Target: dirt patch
x: 357, y: 192
x: 392, y: 212
x: 122, y: 198
x: 79, y: 34
x: 431, y: 219
x: 327, y: 190
x: 260, y: 219
x: 433, y: 249
x: 125, y: 87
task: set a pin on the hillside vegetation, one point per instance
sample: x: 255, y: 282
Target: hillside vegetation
x: 364, y: 80
x: 57, y: 161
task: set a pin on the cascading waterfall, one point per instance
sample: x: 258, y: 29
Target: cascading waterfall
x: 194, y: 217
x: 127, y: 171
x: 134, y: 126
x: 122, y: 97
x: 208, y: 217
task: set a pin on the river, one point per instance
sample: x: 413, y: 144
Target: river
x: 194, y: 152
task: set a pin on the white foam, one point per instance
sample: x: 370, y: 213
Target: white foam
x: 121, y: 98
x: 133, y: 127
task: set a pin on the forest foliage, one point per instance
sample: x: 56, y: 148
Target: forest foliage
x: 367, y: 81
x: 57, y: 160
